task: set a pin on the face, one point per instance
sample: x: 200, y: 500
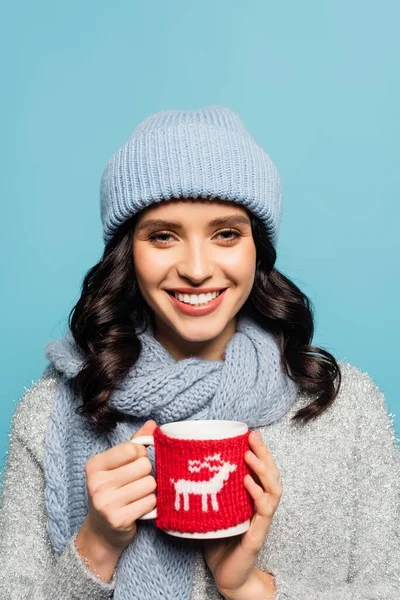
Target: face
x: 193, y: 247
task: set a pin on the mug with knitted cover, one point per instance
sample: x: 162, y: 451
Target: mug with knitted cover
x: 199, y: 469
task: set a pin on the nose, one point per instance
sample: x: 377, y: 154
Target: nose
x: 195, y: 263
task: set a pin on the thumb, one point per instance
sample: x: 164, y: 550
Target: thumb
x: 146, y: 429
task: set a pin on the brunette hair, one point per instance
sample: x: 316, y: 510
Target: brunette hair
x: 111, y: 308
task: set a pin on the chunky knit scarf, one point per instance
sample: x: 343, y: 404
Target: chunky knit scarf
x: 248, y: 385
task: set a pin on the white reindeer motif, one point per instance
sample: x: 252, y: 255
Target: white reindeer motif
x: 204, y: 488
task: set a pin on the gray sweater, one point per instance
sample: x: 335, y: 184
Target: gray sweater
x: 335, y: 533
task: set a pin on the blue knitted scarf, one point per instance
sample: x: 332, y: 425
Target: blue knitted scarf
x: 248, y: 385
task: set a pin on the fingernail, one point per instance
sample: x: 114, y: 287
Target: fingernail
x: 258, y: 436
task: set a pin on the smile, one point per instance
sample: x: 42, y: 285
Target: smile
x: 197, y: 304
x: 196, y: 299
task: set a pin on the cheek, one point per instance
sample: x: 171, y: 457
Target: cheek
x: 241, y: 265
x: 149, y: 268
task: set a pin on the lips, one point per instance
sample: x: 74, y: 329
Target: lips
x: 194, y: 292
x: 196, y: 309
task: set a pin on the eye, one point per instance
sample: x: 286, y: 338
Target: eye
x: 235, y: 233
x: 157, y: 237
x: 154, y: 237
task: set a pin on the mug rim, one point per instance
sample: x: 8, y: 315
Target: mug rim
x: 221, y: 429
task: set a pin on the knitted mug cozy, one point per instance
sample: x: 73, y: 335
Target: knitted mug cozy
x: 200, y: 483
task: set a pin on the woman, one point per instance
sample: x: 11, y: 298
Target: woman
x: 185, y: 317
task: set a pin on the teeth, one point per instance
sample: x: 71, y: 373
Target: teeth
x: 196, y: 299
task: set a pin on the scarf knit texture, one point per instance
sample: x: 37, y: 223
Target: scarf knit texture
x: 249, y: 385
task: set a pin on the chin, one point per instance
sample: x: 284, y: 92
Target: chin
x: 199, y: 330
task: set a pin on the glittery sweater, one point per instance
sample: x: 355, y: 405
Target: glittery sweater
x: 335, y: 533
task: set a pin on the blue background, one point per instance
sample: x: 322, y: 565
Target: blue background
x: 316, y: 84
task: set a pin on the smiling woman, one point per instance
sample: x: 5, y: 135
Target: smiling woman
x: 186, y: 317
x: 180, y: 244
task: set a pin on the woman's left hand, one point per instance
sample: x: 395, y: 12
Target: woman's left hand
x: 232, y: 560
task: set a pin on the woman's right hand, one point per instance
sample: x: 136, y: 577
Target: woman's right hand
x: 120, y: 489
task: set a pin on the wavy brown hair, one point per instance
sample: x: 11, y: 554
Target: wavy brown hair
x: 111, y: 308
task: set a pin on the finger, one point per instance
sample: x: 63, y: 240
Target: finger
x: 146, y: 429
x: 266, y: 503
x: 265, y: 476
x: 116, y: 457
x: 112, y: 481
x: 136, y: 490
x: 117, y: 478
x: 261, y: 520
x: 123, y: 453
x: 138, y: 508
x: 263, y: 452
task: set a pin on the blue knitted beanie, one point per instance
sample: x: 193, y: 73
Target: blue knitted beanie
x: 199, y: 153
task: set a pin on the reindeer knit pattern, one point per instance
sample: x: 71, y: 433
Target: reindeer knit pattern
x: 193, y: 494
x: 249, y: 385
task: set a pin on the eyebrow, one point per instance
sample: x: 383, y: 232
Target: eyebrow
x: 232, y: 220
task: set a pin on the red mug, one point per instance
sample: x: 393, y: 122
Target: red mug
x: 199, y: 469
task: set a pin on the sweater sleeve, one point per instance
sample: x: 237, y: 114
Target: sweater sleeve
x: 28, y: 566
x: 374, y: 570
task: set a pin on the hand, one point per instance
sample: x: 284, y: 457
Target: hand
x: 232, y: 560
x: 119, y: 488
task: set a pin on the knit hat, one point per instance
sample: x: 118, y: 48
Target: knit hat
x: 179, y: 153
